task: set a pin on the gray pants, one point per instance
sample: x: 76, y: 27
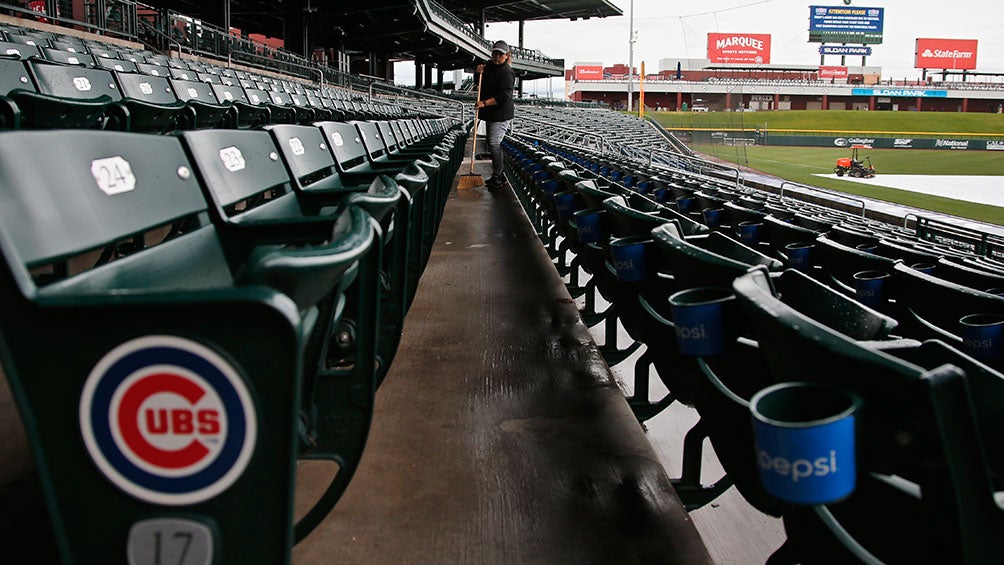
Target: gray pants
x: 494, y: 132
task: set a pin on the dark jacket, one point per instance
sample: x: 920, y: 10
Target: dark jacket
x: 497, y: 82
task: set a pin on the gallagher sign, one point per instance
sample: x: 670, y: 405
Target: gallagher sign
x: 739, y: 48
x: 845, y: 24
x: 168, y: 420
x: 946, y: 54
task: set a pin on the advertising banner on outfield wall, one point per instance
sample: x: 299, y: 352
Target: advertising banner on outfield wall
x: 588, y: 72
x: 739, y: 48
x: 945, y: 53
x: 884, y: 142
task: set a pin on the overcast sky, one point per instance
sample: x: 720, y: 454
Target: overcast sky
x: 675, y: 29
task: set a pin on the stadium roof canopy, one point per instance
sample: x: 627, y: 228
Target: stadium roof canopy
x: 526, y: 10
x: 446, y: 33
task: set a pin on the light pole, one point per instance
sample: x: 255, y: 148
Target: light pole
x: 631, y: 40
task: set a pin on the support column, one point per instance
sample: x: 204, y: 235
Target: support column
x: 519, y: 80
x: 439, y: 79
x: 826, y: 102
x: 871, y: 103
x: 294, y: 36
x: 965, y: 104
x: 919, y: 106
x: 777, y: 101
x: 428, y: 76
x: 679, y: 100
x: 419, y: 75
x: 217, y: 13
x: 728, y: 101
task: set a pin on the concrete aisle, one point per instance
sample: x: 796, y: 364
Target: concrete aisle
x: 500, y: 435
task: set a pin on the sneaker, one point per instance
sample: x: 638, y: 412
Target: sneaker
x: 494, y: 184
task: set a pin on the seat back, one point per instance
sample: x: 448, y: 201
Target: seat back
x: 346, y: 146
x: 307, y: 157
x: 369, y: 133
x: 148, y: 88
x: 14, y: 75
x: 840, y: 262
x: 68, y: 57
x: 19, y: 50
x: 117, y: 65
x: 154, y: 70
x: 832, y: 309
x: 937, y: 305
x: 151, y: 317
x: 72, y: 82
x: 245, y: 178
x: 952, y: 513
x: 187, y: 90
x: 229, y: 93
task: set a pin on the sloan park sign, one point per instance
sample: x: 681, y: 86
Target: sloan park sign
x: 899, y: 92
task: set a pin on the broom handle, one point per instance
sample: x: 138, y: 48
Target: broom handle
x: 474, y: 142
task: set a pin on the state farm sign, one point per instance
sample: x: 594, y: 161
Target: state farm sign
x: 946, y: 54
x: 739, y: 47
x: 588, y: 72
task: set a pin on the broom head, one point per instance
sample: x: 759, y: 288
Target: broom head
x: 470, y: 180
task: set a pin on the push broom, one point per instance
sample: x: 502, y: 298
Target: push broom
x: 472, y: 179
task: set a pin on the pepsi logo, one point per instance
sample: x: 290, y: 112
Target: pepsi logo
x: 168, y: 420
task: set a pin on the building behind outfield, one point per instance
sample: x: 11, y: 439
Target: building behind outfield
x: 702, y: 84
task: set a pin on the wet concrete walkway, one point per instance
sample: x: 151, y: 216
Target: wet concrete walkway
x: 500, y: 435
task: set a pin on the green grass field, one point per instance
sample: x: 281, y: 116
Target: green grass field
x: 841, y: 121
x: 799, y: 164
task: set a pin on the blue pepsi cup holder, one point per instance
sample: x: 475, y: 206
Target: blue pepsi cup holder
x: 805, y: 441
x: 685, y: 204
x: 866, y: 247
x: 564, y: 203
x: 983, y: 336
x: 996, y: 291
x: 550, y: 188
x: 630, y: 257
x: 870, y: 287
x: 590, y: 225
x: 800, y: 255
x: 713, y: 217
x: 749, y: 232
x: 701, y: 319
x: 926, y: 268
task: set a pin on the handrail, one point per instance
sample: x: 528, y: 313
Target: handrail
x: 698, y: 159
x: 398, y: 89
x: 825, y: 191
x: 603, y: 140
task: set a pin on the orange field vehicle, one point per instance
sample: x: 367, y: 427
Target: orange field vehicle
x: 854, y: 167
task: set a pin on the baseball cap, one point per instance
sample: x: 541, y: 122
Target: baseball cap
x: 500, y: 46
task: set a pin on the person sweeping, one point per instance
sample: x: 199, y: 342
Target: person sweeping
x: 495, y: 106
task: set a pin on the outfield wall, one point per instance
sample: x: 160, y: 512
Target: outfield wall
x: 902, y: 142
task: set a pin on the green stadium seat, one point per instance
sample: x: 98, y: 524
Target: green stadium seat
x: 65, y: 97
x: 924, y: 493
x: 115, y: 278
x: 148, y: 105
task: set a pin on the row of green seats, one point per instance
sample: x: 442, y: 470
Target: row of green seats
x: 184, y: 317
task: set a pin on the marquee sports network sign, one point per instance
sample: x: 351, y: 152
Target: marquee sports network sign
x: 748, y: 48
x: 946, y: 53
x: 845, y: 24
